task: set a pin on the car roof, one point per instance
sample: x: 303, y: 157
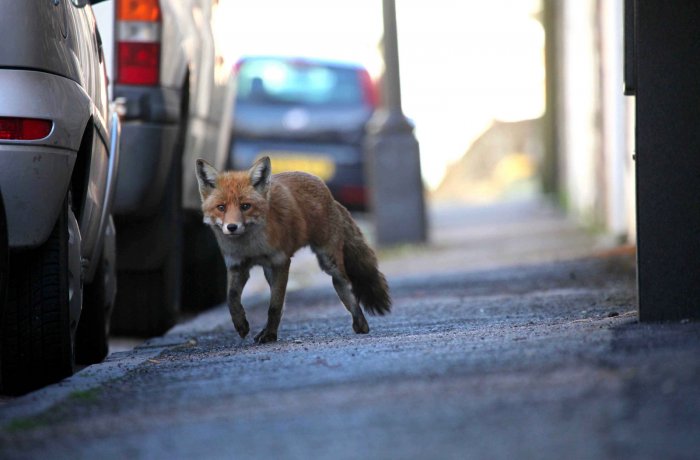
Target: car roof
x: 303, y: 59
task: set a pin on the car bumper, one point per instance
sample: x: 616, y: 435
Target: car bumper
x: 150, y: 129
x: 147, y: 152
x: 34, y: 183
x: 34, y: 175
x: 339, y: 165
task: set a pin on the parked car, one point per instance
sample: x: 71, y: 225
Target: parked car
x: 176, y: 92
x: 305, y: 114
x: 58, y: 166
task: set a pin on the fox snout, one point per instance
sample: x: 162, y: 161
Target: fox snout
x: 233, y: 229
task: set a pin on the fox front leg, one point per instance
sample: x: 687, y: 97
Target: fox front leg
x: 276, y: 276
x: 237, y: 277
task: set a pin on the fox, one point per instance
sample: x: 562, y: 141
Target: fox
x: 263, y: 219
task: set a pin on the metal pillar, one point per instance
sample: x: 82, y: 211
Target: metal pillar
x: 392, y: 156
x: 550, y: 176
x: 661, y: 70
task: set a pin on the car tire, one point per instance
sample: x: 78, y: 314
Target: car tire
x: 37, y: 345
x: 148, y: 300
x: 204, y: 270
x: 4, y: 258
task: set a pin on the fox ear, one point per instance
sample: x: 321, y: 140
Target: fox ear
x: 260, y: 175
x: 206, y: 176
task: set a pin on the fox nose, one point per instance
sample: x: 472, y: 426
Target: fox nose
x: 232, y: 227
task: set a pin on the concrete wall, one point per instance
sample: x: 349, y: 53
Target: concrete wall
x: 592, y: 128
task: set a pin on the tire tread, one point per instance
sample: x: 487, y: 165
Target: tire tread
x: 36, y: 347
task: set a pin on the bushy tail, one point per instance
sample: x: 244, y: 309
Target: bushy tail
x: 368, y: 283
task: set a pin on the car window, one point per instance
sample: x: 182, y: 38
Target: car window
x: 272, y: 81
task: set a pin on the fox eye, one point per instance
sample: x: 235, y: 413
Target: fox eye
x: 221, y: 207
x: 245, y: 206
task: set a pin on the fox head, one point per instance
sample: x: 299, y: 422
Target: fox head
x: 234, y: 201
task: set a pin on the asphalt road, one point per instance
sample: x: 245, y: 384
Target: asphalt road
x: 543, y: 359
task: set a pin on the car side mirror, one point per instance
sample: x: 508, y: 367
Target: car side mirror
x: 83, y: 3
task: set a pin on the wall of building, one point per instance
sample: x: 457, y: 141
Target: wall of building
x: 590, y: 122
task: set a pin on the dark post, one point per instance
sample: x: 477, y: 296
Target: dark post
x: 664, y: 76
x: 392, y: 156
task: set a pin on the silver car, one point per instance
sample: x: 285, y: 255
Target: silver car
x: 58, y: 166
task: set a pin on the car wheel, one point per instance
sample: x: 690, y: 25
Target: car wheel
x: 204, y: 270
x: 39, y: 315
x: 4, y: 257
x: 92, y: 336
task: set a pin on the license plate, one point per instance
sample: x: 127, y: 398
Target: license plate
x: 318, y: 165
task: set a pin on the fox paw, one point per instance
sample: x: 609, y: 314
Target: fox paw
x: 360, y: 326
x: 242, y: 328
x: 266, y: 336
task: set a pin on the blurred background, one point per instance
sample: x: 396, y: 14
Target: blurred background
x: 497, y: 114
x: 464, y: 64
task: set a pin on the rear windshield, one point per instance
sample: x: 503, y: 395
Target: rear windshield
x: 274, y: 81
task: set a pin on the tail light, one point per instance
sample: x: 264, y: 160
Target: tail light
x: 138, y: 36
x: 369, y: 89
x: 353, y: 195
x: 24, y: 129
x: 237, y: 66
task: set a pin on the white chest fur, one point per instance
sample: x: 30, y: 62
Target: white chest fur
x: 249, y: 249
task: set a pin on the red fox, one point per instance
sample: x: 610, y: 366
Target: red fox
x: 263, y: 219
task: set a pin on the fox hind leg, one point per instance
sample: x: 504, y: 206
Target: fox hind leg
x: 344, y: 291
x: 333, y: 266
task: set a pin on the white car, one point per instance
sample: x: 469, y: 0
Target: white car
x: 177, y: 93
x: 58, y: 166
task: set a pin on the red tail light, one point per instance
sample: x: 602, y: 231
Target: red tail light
x: 24, y: 129
x: 139, y: 63
x: 369, y: 89
x: 138, y: 35
x: 353, y: 195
